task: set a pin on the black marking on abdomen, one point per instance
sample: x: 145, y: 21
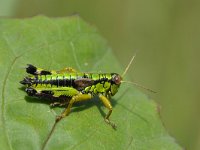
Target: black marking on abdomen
x: 45, y: 72
x: 85, y: 76
x: 51, y: 81
x: 70, y: 78
x: 57, y: 81
x: 64, y: 82
x: 40, y: 80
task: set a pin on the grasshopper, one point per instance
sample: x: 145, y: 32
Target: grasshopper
x: 67, y: 86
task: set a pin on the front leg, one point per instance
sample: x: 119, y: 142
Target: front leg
x: 108, y: 105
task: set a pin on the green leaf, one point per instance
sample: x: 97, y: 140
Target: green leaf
x: 26, y: 122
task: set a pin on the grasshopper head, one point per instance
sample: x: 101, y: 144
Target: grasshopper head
x: 115, y: 83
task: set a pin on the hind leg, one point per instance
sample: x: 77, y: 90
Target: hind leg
x: 39, y: 71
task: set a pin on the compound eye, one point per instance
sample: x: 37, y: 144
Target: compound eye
x: 117, y: 79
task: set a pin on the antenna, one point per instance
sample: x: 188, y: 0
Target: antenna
x: 133, y: 83
x: 128, y: 66
x: 138, y: 85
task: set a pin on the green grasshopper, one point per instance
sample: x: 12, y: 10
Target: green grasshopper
x: 67, y: 86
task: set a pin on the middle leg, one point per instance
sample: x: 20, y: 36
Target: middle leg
x: 77, y: 98
x: 108, y: 105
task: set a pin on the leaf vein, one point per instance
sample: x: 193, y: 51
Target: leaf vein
x: 3, y: 101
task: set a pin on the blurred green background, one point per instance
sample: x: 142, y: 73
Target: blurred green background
x: 166, y: 36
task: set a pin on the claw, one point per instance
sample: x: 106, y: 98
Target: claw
x: 111, y: 123
x: 58, y: 118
